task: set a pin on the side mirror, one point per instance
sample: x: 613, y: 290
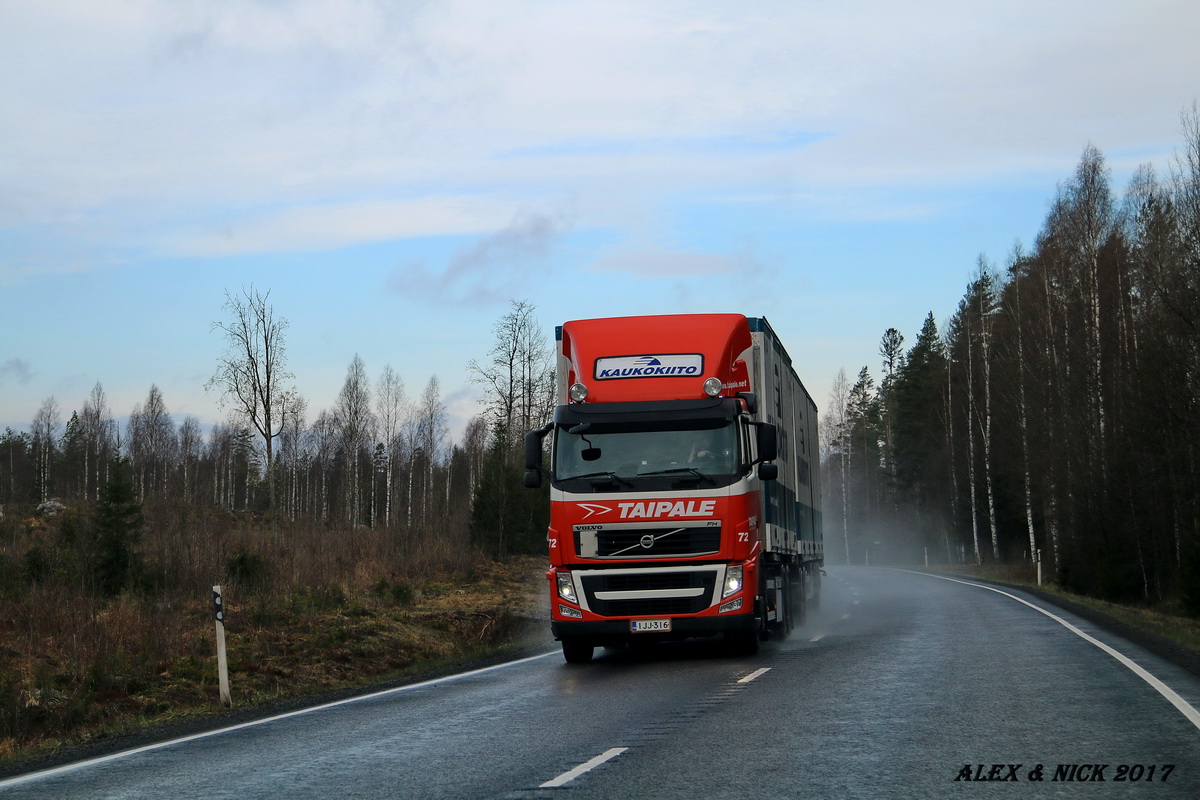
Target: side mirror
x: 768, y: 442
x: 533, y: 456
x: 533, y: 449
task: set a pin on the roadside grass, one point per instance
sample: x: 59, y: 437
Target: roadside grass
x: 281, y: 647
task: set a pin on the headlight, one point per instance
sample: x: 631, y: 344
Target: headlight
x: 733, y: 580
x: 578, y: 392
x: 713, y: 387
x: 566, y: 587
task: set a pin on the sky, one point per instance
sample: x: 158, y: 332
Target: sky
x: 396, y: 174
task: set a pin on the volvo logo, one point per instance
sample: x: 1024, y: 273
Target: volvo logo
x: 647, y: 541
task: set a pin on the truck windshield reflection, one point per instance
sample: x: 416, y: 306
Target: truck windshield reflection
x: 631, y: 454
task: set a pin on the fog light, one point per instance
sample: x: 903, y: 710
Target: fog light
x: 713, y: 387
x: 732, y: 605
x: 566, y: 587
x: 575, y: 613
x: 578, y: 392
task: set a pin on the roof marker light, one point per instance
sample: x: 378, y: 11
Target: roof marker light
x: 713, y: 387
x: 578, y: 392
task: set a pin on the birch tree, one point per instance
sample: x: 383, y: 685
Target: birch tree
x: 1089, y: 220
x: 390, y: 409
x: 152, y: 444
x: 46, y: 425
x: 355, y: 424
x: 1022, y: 401
x: 190, y: 443
x: 99, y: 433
x: 430, y: 432
x: 840, y: 443
x: 986, y: 294
x: 517, y: 377
x: 252, y: 374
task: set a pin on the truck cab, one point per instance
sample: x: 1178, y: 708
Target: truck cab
x: 658, y: 459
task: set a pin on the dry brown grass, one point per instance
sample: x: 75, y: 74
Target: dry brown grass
x: 308, y: 610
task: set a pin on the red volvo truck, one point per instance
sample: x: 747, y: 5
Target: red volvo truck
x: 685, y: 490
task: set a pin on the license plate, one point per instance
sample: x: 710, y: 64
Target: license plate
x: 650, y: 625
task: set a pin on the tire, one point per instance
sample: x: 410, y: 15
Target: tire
x: 577, y: 652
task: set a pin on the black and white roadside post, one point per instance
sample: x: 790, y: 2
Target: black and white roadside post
x: 1038, y: 558
x: 222, y: 662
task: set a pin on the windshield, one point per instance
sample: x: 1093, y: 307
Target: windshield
x: 647, y: 456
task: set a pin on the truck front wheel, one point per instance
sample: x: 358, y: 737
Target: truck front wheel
x: 577, y: 652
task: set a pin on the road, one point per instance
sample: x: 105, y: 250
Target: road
x: 902, y: 685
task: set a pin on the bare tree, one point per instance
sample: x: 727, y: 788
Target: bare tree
x: 1089, y: 221
x: 1018, y: 323
x: 46, y: 424
x: 390, y: 404
x: 355, y: 424
x: 294, y: 454
x: 252, y: 375
x: 99, y: 432
x: 152, y: 443
x: 518, y: 375
x: 839, y: 441
x: 190, y: 442
x: 987, y: 312
x: 323, y: 437
x: 429, y: 434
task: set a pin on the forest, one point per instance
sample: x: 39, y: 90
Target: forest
x: 111, y: 536
x: 1055, y: 413
x: 378, y: 460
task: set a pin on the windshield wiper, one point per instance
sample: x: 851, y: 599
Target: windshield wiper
x: 678, y: 470
x: 614, y: 476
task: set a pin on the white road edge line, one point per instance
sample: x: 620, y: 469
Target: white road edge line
x: 13, y: 781
x: 756, y: 674
x: 588, y: 766
x: 1182, y: 705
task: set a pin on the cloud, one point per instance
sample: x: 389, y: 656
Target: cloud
x: 331, y: 225
x: 669, y: 263
x: 220, y: 129
x: 493, y: 268
x: 674, y: 146
x: 15, y: 370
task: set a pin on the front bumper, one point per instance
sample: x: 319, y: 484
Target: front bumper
x: 681, y: 628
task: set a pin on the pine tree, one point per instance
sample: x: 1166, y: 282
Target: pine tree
x: 919, y: 420
x: 115, y: 532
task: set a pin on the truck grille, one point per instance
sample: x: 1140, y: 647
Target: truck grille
x: 646, y: 542
x: 649, y: 582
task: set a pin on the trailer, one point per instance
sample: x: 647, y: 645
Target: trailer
x: 684, y: 484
